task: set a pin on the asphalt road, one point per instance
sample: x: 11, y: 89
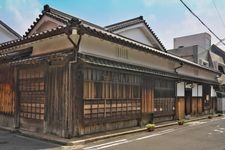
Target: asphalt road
x: 12, y: 141
x: 200, y: 135
x: 206, y: 134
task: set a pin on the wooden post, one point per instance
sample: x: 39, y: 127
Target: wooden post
x: 180, y: 108
x: 16, y: 100
x: 199, y: 105
x: 77, y: 99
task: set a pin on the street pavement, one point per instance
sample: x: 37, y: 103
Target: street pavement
x: 208, y: 134
x: 12, y: 141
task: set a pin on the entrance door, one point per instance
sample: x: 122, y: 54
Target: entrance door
x: 188, y: 95
x: 31, y: 88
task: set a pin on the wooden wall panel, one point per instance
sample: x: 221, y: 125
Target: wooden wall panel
x: 7, y: 96
x: 180, y: 113
x: 147, y: 100
x: 200, y: 105
x: 194, y: 105
x: 7, y: 91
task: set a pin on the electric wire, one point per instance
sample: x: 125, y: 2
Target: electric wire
x: 218, y: 12
x: 221, y: 41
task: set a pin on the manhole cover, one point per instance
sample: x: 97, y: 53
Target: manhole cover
x: 3, y: 142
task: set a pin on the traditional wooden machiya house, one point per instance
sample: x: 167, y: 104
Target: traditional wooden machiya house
x: 69, y: 77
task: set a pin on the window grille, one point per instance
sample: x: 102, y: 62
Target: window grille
x: 111, y: 94
x: 32, y: 93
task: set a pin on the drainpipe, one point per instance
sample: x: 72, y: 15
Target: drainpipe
x: 75, y: 52
x: 181, y: 65
x: 176, y: 100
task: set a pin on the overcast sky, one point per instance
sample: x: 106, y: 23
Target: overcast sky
x: 167, y: 18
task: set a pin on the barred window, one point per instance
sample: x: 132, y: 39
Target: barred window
x: 32, y: 93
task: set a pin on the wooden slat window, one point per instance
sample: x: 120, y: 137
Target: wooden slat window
x: 111, y: 94
x: 32, y: 93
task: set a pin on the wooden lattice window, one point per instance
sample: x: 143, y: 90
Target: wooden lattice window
x: 111, y: 94
x: 32, y: 93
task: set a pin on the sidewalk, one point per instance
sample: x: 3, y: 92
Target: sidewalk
x: 94, y: 137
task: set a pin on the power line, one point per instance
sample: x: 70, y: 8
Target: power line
x: 202, y: 22
x: 218, y: 12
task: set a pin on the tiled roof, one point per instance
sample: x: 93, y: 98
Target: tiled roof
x: 41, y: 35
x: 88, y: 28
x: 6, y: 57
x: 123, y: 24
x: 131, y: 22
x: 9, y: 29
x: 66, y: 18
x: 59, y: 16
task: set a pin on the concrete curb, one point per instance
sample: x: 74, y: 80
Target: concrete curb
x: 71, y: 142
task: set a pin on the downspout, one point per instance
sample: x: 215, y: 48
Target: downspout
x: 75, y: 54
x: 176, y: 100
x: 181, y: 65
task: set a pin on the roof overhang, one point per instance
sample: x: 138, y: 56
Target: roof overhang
x: 93, y: 60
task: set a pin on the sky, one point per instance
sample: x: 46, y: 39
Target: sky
x: 167, y: 18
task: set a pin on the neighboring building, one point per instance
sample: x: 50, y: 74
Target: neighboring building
x: 69, y: 77
x: 197, y: 48
x: 7, y: 33
x: 217, y: 57
x: 194, y: 48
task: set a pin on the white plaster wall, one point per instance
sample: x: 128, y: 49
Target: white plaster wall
x: 195, y: 90
x: 94, y: 46
x: 48, y: 45
x: 199, y: 90
x: 213, y: 92
x: 180, y: 89
x: 136, y: 34
x: 5, y: 35
x: 54, y: 44
x: 108, y: 50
